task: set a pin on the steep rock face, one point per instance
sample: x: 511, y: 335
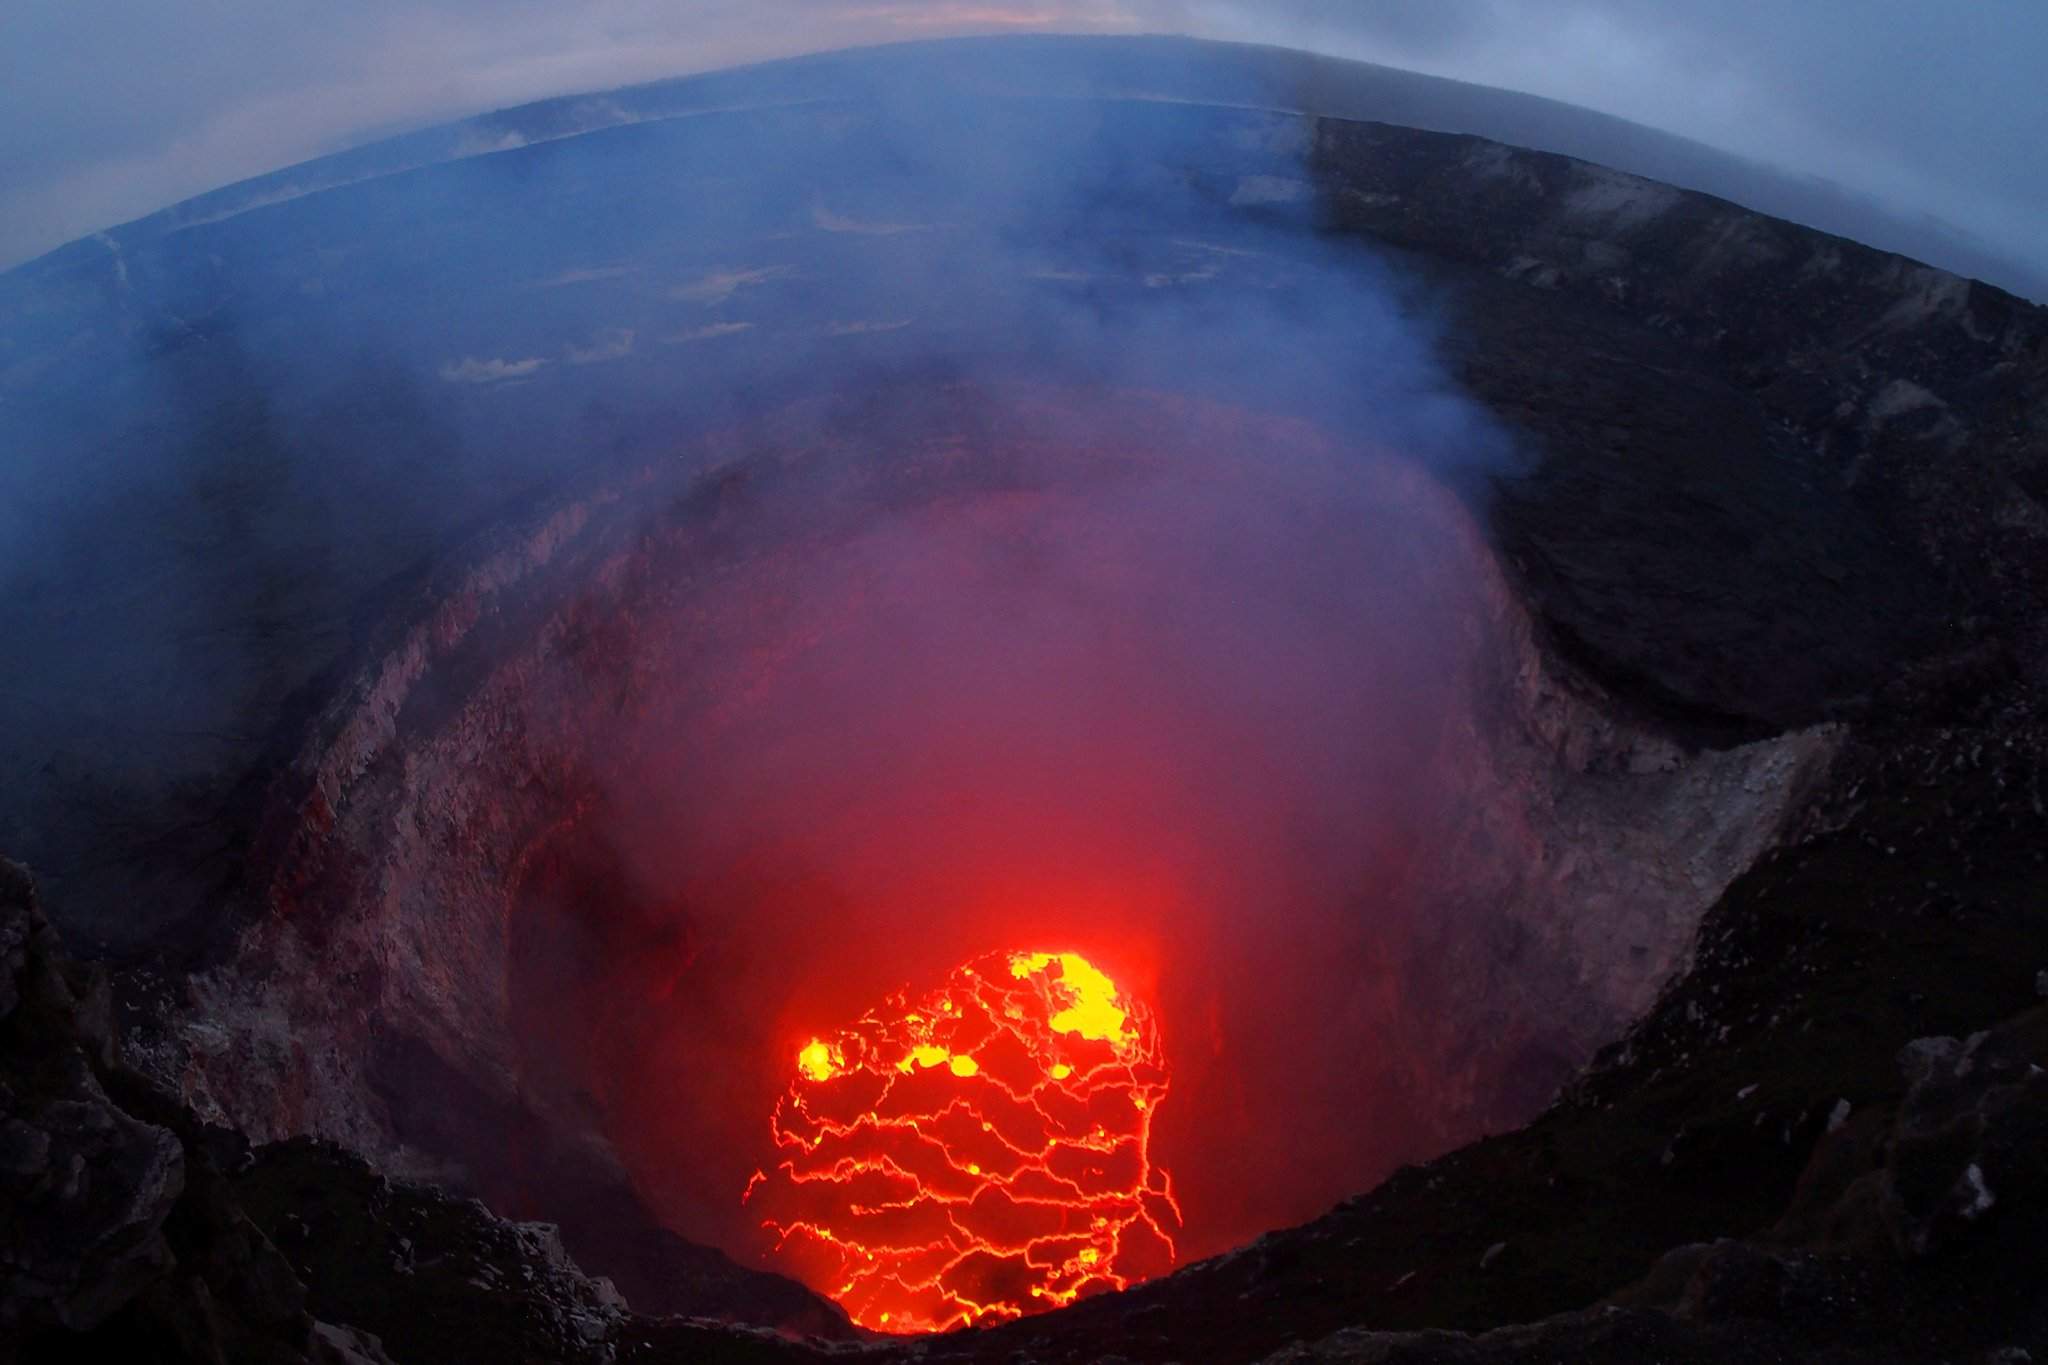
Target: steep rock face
x: 1813, y: 404
x: 1572, y: 847
x: 1573, y: 851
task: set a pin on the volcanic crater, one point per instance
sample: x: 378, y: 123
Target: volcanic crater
x: 623, y: 815
x: 1397, y: 701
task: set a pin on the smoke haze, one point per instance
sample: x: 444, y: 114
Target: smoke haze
x: 113, y: 111
x: 1099, y: 573
x: 1174, y: 703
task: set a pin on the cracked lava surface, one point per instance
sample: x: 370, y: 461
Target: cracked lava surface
x: 977, y: 1153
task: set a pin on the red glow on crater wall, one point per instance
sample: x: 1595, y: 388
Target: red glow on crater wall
x: 976, y: 1154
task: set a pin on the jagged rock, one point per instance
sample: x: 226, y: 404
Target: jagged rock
x: 123, y: 1231
x: 1971, y: 1132
x: 1734, y: 1279
x: 346, y: 1346
x: 441, y: 1278
x: 431, y: 1275
x: 85, y: 1188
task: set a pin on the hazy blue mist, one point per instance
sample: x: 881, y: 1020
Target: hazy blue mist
x: 112, y: 110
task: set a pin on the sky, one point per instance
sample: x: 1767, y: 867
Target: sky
x: 110, y: 109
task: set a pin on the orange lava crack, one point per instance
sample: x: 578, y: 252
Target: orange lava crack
x: 976, y: 1155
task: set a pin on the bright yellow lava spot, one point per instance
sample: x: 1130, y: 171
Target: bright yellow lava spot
x: 1137, y: 1101
x: 931, y: 1054
x: 817, y: 1061
x: 973, y: 1168
x: 1089, y: 1255
x: 1093, y: 1013
x: 1060, y: 1071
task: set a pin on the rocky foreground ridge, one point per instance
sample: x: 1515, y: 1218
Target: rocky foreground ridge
x: 135, y: 1232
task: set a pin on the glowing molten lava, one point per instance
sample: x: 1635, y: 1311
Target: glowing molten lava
x: 978, y: 1154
